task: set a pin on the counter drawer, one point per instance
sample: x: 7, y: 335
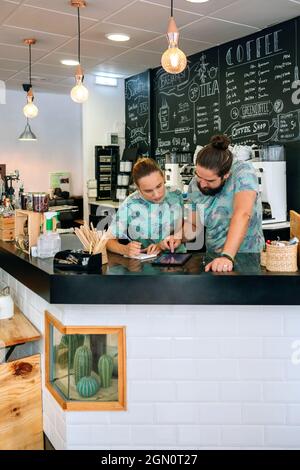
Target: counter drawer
x: 7, y: 234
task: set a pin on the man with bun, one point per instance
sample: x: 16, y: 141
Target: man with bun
x: 226, y: 193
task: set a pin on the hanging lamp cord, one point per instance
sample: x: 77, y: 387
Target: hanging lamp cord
x: 30, y: 66
x: 78, y: 16
x: 171, y: 7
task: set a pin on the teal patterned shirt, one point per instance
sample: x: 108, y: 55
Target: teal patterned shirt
x: 216, y: 211
x: 147, y: 222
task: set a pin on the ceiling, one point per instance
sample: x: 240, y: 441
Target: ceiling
x: 54, y: 24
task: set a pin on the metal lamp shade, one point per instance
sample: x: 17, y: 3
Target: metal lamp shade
x: 27, y: 134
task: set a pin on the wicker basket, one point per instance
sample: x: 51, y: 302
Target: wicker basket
x: 282, y: 258
x: 263, y: 258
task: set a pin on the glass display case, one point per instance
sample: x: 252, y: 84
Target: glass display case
x: 85, y: 366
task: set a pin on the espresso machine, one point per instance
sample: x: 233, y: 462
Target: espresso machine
x: 173, y: 176
x: 179, y: 169
x: 272, y: 186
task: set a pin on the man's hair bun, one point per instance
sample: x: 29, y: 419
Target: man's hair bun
x: 220, y: 142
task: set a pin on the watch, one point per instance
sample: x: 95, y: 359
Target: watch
x: 226, y: 255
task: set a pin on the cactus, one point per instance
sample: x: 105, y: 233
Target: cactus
x: 83, y: 360
x: 115, y: 365
x: 61, y: 356
x: 72, y: 342
x: 87, y: 386
x: 105, y: 369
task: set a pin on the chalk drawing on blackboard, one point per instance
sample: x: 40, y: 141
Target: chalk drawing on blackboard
x: 172, y: 84
x: 143, y: 108
x: 213, y: 72
x: 234, y: 113
x: 194, y: 93
x: 138, y: 135
x: 288, y: 126
x: 278, y: 106
x: 203, y: 68
x: 136, y: 87
x: 164, y: 116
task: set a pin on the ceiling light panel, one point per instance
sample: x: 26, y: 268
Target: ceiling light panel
x: 14, y: 36
x: 117, y: 37
x: 188, y: 46
x: 48, y: 21
x: 6, y: 9
x: 197, y: 8
x: 259, y: 13
x: 215, y: 31
x: 6, y: 74
x: 69, y: 62
x: 92, y: 49
x: 150, y: 17
x: 55, y: 58
x: 137, y: 36
x: 19, y: 52
x: 96, y: 10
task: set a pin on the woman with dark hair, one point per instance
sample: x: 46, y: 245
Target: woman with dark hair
x: 226, y: 193
x: 151, y: 218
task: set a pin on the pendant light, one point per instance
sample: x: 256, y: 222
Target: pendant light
x: 27, y: 134
x: 30, y: 110
x: 79, y: 92
x: 173, y: 59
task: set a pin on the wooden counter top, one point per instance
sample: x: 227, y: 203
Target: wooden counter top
x: 17, y: 330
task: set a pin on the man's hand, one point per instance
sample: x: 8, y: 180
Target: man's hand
x: 133, y: 249
x: 170, y: 243
x: 219, y: 265
x: 153, y: 249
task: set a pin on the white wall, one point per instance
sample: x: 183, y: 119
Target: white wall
x: 59, y: 145
x: 198, y: 377
x: 104, y: 112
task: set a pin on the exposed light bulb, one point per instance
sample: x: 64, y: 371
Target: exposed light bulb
x: 30, y: 110
x: 173, y: 60
x: 79, y: 93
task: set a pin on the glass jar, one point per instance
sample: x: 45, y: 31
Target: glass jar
x: 29, y: 202
x: 24, y: 201
x: 40, y: 202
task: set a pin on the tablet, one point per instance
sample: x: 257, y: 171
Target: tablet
x: 172, y: 259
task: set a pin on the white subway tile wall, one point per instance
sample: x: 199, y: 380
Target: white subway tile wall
x: 198, y: 377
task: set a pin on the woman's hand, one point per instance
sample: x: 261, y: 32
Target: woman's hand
x: 153, y: 249
x: 170, y: 243
x: 219, y: 265
x: 133, y: 249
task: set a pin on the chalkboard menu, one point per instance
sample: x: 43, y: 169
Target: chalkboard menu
x: 260, y: 79
x: 137, y: 109
x: 247, y: 88
x: 186, y: 106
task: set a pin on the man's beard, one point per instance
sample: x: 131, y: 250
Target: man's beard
x: 212, y: 191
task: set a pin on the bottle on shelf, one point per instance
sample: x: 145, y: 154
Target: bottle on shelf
x: 49, y: 242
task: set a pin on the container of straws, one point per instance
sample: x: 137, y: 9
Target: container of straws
x: 93, y: 241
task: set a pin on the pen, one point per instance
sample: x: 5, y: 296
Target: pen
x: 127, y: 237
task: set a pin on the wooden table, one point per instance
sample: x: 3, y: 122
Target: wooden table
x: 16, y: 331
x: 21, y: 423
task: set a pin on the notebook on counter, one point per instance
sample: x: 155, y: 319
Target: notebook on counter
x: 141, y: 256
